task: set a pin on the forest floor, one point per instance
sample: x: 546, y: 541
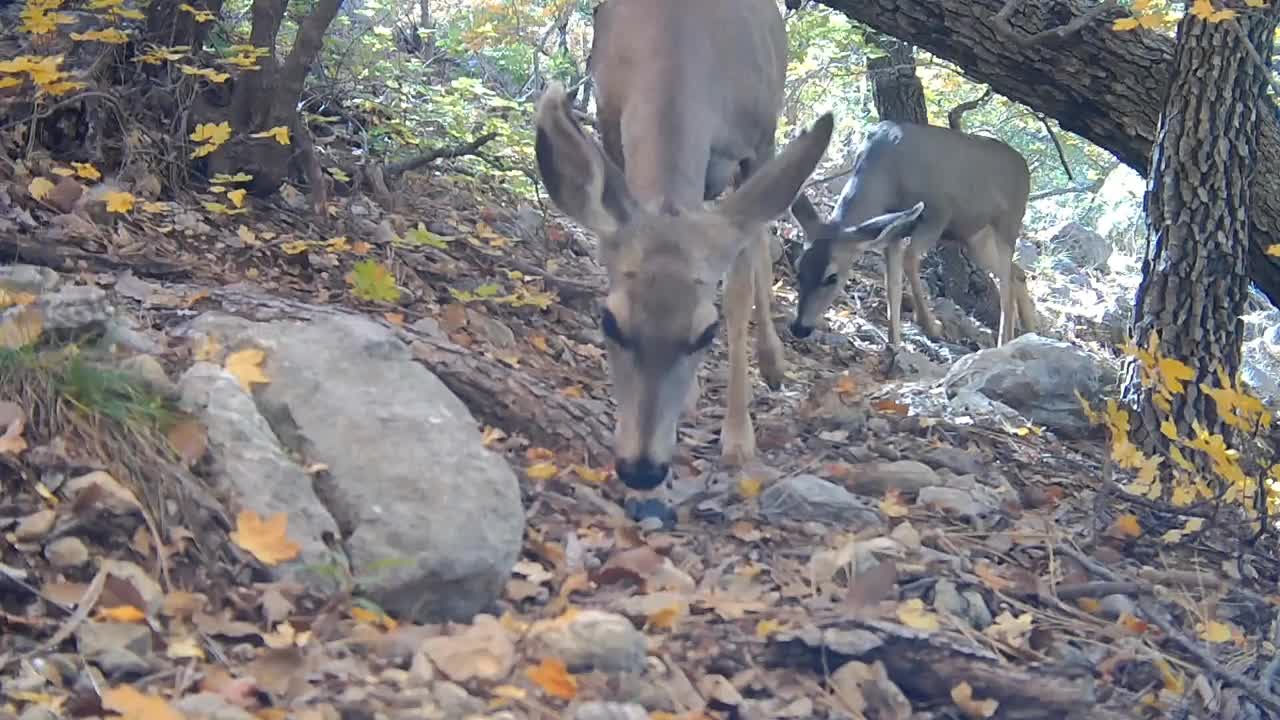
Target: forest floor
x: 1024, y: 598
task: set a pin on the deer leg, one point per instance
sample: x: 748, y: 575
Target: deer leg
x: 1026, y: 307
x: 893, y: 288
x: 737, y: 436
x: 691, y: 400
x: 769, y: 351
x: 996, y: 258
x: 923, y: 313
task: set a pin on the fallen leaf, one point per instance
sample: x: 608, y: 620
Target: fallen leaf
x: 133, y: 705
x: 893, y: 505
x: 892, y: 407
x: 913, y: 614
x: 39, y: 187
x: 962, y: 696
x: 12, y: 442
x: 266, y: 540
x: 553, y: 677
x: 1126, y: 526
x: 246, y: 366
x: 481, y: 650
x: 122, y: 614
x: 541, y: 471
x: 189, y: 439
x: 20, y: 327
x: 749, y: 487
x: 1214, y: 631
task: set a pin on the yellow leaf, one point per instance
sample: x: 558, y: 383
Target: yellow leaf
x: 553, y: 677
x: 664, y: 619
x: 1220, y: 15
x: 21, y: 328
x: 1214, y: 632
x: 1172, y: 681
x: 266, y: 540
x: 133, y: 705
x: 369, y: 617
x: 246, y: 366
x: 122, y: 613
x: 1255, y: 3
x: 541, y: 471
x: 893, y: 506
x: 237, y: 197
x: 295, y: 247
x: 1123, y: 24
x: 1173, y: 373
x: 1152, y: 21
x: 86, y: 171
x: 1126, y: 526
x: 540, y: 342
x: 913, y: 614
x: 962, y: 696
x: 118, y: 202
x: 595, y: 477
x: 1168, y: 429
x: 111, y: 36
x: 63, y: 172
x: 337, y: 244
x: 39, y: 187
x: 1202, y: 9
x: 279, y: 133
x: 183, y: 648
x: 749, y: 487
x: 765, y: 628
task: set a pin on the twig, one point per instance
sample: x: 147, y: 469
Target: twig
x: 84, y: 606
x: 1253, y: 55
x: 1258, y: 692
x: 1057, y: 145
x: 413, y: 163
x: 1054, y: 35
x: 1102, y: 589
x: 955, y: 118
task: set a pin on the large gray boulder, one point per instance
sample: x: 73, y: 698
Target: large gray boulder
x: 431, y: 520
x: 1083, y: 246
x: 1035, y: 376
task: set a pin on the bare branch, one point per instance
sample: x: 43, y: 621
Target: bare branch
x: 1052, y: 36
x: 443, y: 153
x: 955, y: 118
x: 1092, y: 186
x: 1062, y: 155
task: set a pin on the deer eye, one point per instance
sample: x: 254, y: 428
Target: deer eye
x: 706, y: 338
x: 609, y: 326
x: 831, y: 279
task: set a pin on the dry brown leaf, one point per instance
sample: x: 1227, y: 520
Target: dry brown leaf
x: 133, y: 705
x: 189, y: 439
x: 1125, y: 527
x: 12, y: 442
x: 246, y: 366
x: 481, y: 650
x: 636, y: 564
x: 122, y: 614
x: 991, y: 577
x: 20, y: 327
x: 892, y: 407
x: 182, y: 604
x: 962, y: 696
x: 913, y: 614
x: 267, y: 540
x: 553, y: 677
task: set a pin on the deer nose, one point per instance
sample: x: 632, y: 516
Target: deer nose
x: 800, y: 330
x: 642, y: 474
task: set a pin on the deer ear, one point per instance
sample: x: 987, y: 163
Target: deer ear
x: 772, y: 189
x: 580, y: 179
x: 806, y: 216
x: 883, y: 229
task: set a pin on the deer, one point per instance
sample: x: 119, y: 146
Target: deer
x: 912, y: 187
x: 688, y: 97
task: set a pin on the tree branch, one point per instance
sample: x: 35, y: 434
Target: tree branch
x: 413, y: 163
x: 1052, y: 36
x: 955, y: 118
x: 1091, y: 186
x: 1062, y: 155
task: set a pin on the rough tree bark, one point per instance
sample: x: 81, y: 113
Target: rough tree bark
x: 267, y: 98
x: 1195, y: 272
x: 1104, y: 85
x: 898, y: 94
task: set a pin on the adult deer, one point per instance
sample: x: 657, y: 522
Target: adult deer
x: 689, y: 92
x: 913, y: 186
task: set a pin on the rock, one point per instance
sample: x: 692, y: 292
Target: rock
x: 210, y: 706
x: 1026, y: 253
x: 408, y: 477
x: 953, y: 459
x: 151, y: 373
x: 808, y: 497
x: 957, y: 501
x: 108, y: 492
x: 35, y: 526
x: 67, y: 552
x: 455, y: 701
x: 74, y: 308
x: 1080, y: 244
x: 907, y: 476
x: 116, y: 648
x: 248, y: 461
x: 132, y: 573
x: 979, y: 613
x: 1260, y: 370
x: 28, y: 278
x: 1112, y: 607
x: 958, y: 326
x: 121, y: 331
x: 1037, y: 377
x: 37, y: 712
x: 1116, y: 318
x: 947, y: 599
x: 610, y: 711
x: 490, y: 329
x: 1256, y: 324
x: 592, y: 640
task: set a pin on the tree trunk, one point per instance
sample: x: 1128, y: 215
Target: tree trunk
x: 1195, y: 271
x: 1104, y: 85
x: 899, y: 95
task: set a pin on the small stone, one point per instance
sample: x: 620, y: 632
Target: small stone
x: 151, y: 373
x: 38, y: 712
x: 210, y: 706
x: 35, y: 526
x: 879, y: 426
x: 947, y: 599
x: 28, y: 278
x: 954, y: 501
x: 67, y: 552
x: 141, y: 581
x: 809, y: 497
x: 610, y: 711
x: 594, y: 640
x: 491, y: 329
x: 116, y: 648
x: 1112, y: 607
x: 979, y: 613
x: 905, y: 476
x: 112, y: 494
x: 455, y: 700
x: 954, y: 459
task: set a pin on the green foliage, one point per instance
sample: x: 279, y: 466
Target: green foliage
x: 373, y: 282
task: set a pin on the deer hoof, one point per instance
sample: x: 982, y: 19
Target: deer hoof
x: 738, y: 448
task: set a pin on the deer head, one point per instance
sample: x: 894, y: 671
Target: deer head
x: 830, y: 251
x: 664, y: 267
